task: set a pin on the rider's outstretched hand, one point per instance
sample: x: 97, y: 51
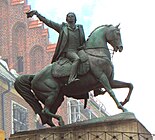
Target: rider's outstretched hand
x: 31, y: 13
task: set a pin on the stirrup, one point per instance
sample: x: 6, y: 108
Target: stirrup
x: 69, y: 82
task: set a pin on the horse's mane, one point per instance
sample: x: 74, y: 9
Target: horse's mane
x: 98, y: 28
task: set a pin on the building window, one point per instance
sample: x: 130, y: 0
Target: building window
x: 20, y: 63
x: 19, y: 118
x: 74, y: 113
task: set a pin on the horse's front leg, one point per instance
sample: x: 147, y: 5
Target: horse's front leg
x: 120, y: 84
x: 105, y: 82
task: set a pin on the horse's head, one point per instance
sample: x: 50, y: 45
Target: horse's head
x: 113, y: 37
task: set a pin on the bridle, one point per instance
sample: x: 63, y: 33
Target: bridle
x: 110, y: 50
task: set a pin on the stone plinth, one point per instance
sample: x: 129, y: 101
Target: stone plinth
x: 122, y: 126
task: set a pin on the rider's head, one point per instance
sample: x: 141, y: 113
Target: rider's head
x: 71, y: 17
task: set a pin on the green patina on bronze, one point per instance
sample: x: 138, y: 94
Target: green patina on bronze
x: 96, y: 72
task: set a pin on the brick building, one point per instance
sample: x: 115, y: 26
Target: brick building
x: 25, y: 46
x: 24, y: 43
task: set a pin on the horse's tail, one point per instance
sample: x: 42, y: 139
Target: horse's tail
x: 23, y: 82
x: 23, y: 87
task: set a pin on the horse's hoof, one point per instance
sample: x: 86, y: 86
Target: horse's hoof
x: 61, y: 123
x: 45, y: 111
x: 50, y: 123
x: 125, y: 110
x: 122, y: 103
x: 122, y: 108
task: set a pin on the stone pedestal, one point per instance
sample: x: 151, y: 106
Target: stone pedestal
x: 122, y: 126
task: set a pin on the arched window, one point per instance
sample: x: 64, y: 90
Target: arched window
x: 18, y: 46
x: 36, y: 59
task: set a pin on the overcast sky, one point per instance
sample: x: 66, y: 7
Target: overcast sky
x: 136, y: 63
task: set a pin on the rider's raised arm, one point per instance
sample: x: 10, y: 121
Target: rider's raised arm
x: 49, y: 23
x: 53, y: 25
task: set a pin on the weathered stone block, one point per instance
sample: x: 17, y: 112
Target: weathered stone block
x: 123, y: 126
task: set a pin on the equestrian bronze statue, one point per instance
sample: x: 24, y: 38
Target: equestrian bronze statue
x: 95, y: 71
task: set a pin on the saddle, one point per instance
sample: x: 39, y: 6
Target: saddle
x: 62, y: 67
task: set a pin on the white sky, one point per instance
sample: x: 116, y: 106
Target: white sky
x: 136, y: 63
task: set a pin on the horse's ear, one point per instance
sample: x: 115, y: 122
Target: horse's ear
x: 117, y: 25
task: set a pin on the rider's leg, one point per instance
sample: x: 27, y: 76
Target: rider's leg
x: 72, y: 56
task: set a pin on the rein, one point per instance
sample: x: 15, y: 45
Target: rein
x: 111, y: 54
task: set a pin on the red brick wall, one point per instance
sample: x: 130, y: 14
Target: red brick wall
x: 20, y: 36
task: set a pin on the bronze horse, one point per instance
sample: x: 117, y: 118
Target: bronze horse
x: 50, y: 88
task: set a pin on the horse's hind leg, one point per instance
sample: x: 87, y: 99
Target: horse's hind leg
x: 23, y: 87
x: 50, y: 102
x: 49, y: 89
x: 120, y: 84
x: 58, y: 117
x: 105, y: 82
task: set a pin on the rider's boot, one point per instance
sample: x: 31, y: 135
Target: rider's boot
x: 73, y: 72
